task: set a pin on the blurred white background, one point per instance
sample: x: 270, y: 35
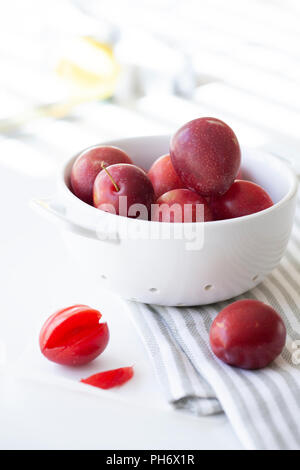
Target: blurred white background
x: 72, y: 74
x: 172, y: 60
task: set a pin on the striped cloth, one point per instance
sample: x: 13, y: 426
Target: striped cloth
x: 263, y: 406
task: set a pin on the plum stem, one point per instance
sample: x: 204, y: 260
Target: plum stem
x: 110, y: 177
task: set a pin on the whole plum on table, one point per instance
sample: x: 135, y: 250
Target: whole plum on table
x: 247, y: 334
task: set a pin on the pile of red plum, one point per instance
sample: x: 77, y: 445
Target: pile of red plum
x: 202, y: 170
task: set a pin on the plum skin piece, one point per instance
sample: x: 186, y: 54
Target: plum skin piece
x: 110, y: 378
x: 74, y: 336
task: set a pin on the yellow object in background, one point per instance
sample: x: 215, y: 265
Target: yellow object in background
x: 89, y: 68
x: 88, y: 71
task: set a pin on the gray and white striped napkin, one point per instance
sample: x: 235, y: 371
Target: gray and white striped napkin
x: 263, y: 406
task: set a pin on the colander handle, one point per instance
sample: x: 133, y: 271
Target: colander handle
x: 54, y: 212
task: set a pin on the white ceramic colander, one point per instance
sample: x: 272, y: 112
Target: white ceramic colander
x: 169, y: 264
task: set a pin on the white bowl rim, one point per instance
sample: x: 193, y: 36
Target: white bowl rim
x: 290, y: 194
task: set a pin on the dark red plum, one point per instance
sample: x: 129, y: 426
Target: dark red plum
x: 129, y: 183
x: 163, y: 176
x: 242, y: 198
x: 180, y: 205
x: 89, y: 164
x: 206, y: 155
x: 247, y: 334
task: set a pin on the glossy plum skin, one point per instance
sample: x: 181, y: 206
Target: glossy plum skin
x: 206, y: 156
x: 247, y: 334
x: 87, y: 166
x: 110, y: 378
x: 163, y: 176
x: 242, y: 198
x: 180, y: 197
x: 74, y: 336
x: 132, y: 183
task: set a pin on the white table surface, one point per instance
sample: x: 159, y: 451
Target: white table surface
x: 36, y: 279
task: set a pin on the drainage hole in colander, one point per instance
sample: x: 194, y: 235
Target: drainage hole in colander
x: 153, y: 289
x: 208, y: 287
x: 103, y: 276
x: 255, y: 278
